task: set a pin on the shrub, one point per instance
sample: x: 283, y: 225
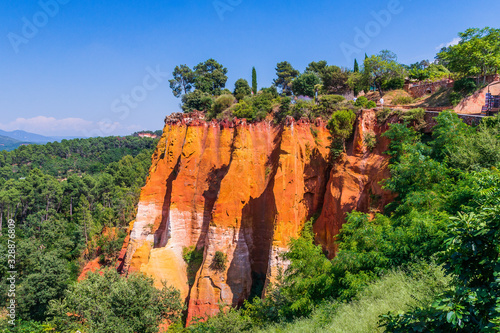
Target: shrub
x: 108, y: 302
x: 371, y: 105
x: 194, y: 259
x: 244, y: 110
x: 340, y: 126
x: 241, y: 89
x: 222, y: 103
x: 196, y: 100
x: 271, y: 90
x: 393, y: 84
x: 361, y: 101
x: 302, y: 109
x: 219, y: 261
x: 402, y: 100
x: 284, y: 109
x: 304, y: 84
x: 370, y: 140
x: 465, y: 86
x: 262, y: 103
x: 455, y: 98
x: 415, y: 117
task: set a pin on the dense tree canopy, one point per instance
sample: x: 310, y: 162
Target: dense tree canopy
x: 477, y: 54
x: 183, y: 80
x: 286, y: 74
x: 382, y: 68
x: 210, y: 77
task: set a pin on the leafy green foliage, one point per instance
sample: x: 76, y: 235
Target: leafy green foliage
x: 219, y: 261
x: 423, y: 71
x: 193, y: 258
x: 183, y: 80
x: 107, y: 302
x: 196, y: 101
x: 244, y: 110
x: 383, y: 71
x: 241, y: 89
x: 477, y: 54
x: 335, y: 80
x: 370, y: 140
x: 254, y: 81
x: 58, y: 219
x: 210, y: 77
x: 221, y: 104
x: 286, y: 73
x: 341, y: 124
x: 304, y: 85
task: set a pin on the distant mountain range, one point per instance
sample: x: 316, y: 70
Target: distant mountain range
x: 33, y: 138
x: 14, y: 139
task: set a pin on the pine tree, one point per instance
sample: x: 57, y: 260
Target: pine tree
x: 356, y: 66
x: 254, y: 80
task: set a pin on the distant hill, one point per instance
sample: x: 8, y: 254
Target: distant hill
x: 7, y: 143
x: 32, y: 137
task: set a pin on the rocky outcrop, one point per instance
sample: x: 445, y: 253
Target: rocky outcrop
x: 244, y: 189
x: 355, y: 181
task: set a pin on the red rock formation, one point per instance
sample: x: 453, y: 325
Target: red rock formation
x: 245, y: 190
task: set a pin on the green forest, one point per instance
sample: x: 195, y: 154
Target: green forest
x: 61, y: 197
x: 429, y: 263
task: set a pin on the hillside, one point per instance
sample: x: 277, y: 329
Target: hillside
x: 7, y: 143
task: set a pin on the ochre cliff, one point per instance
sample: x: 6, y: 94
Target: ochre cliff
x: 245, y: 189
x: 354, y: 181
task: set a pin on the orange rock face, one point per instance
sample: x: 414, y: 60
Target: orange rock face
x: 354, y: 182
x: 243, y: 190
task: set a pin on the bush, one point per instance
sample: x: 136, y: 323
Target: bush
x: 219, y: 261
x: 465, y: 86
x: 302, y: 109
x: 244, y: 110
x: 455, y: 98
x: 415, y: 117
x: 393, y: 84
x: 402, y: 100
x: 262, y: 103
x: 304, y: 84
x: 370, y: 140
x: 196, y: 100
x: 371, y: 105
x: 222, y: 103
x: 194, y: 259
x: 284, y: 109
x: 242, y: 89
x: 361, y: 101
x: 108, y: 302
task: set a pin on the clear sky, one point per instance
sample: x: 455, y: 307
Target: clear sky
x: 66, y: 66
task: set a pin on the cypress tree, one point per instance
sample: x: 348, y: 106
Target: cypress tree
x: 356, y: 66
x: 254, y: 80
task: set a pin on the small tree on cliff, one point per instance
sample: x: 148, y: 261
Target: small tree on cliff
x: 340, y: 126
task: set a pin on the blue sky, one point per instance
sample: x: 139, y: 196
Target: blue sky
x: 67, y: 75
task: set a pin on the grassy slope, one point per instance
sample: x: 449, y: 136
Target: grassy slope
x: 395, y: 292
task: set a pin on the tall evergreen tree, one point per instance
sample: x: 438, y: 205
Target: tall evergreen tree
x: 356, y: 66
x: 254, y: 80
